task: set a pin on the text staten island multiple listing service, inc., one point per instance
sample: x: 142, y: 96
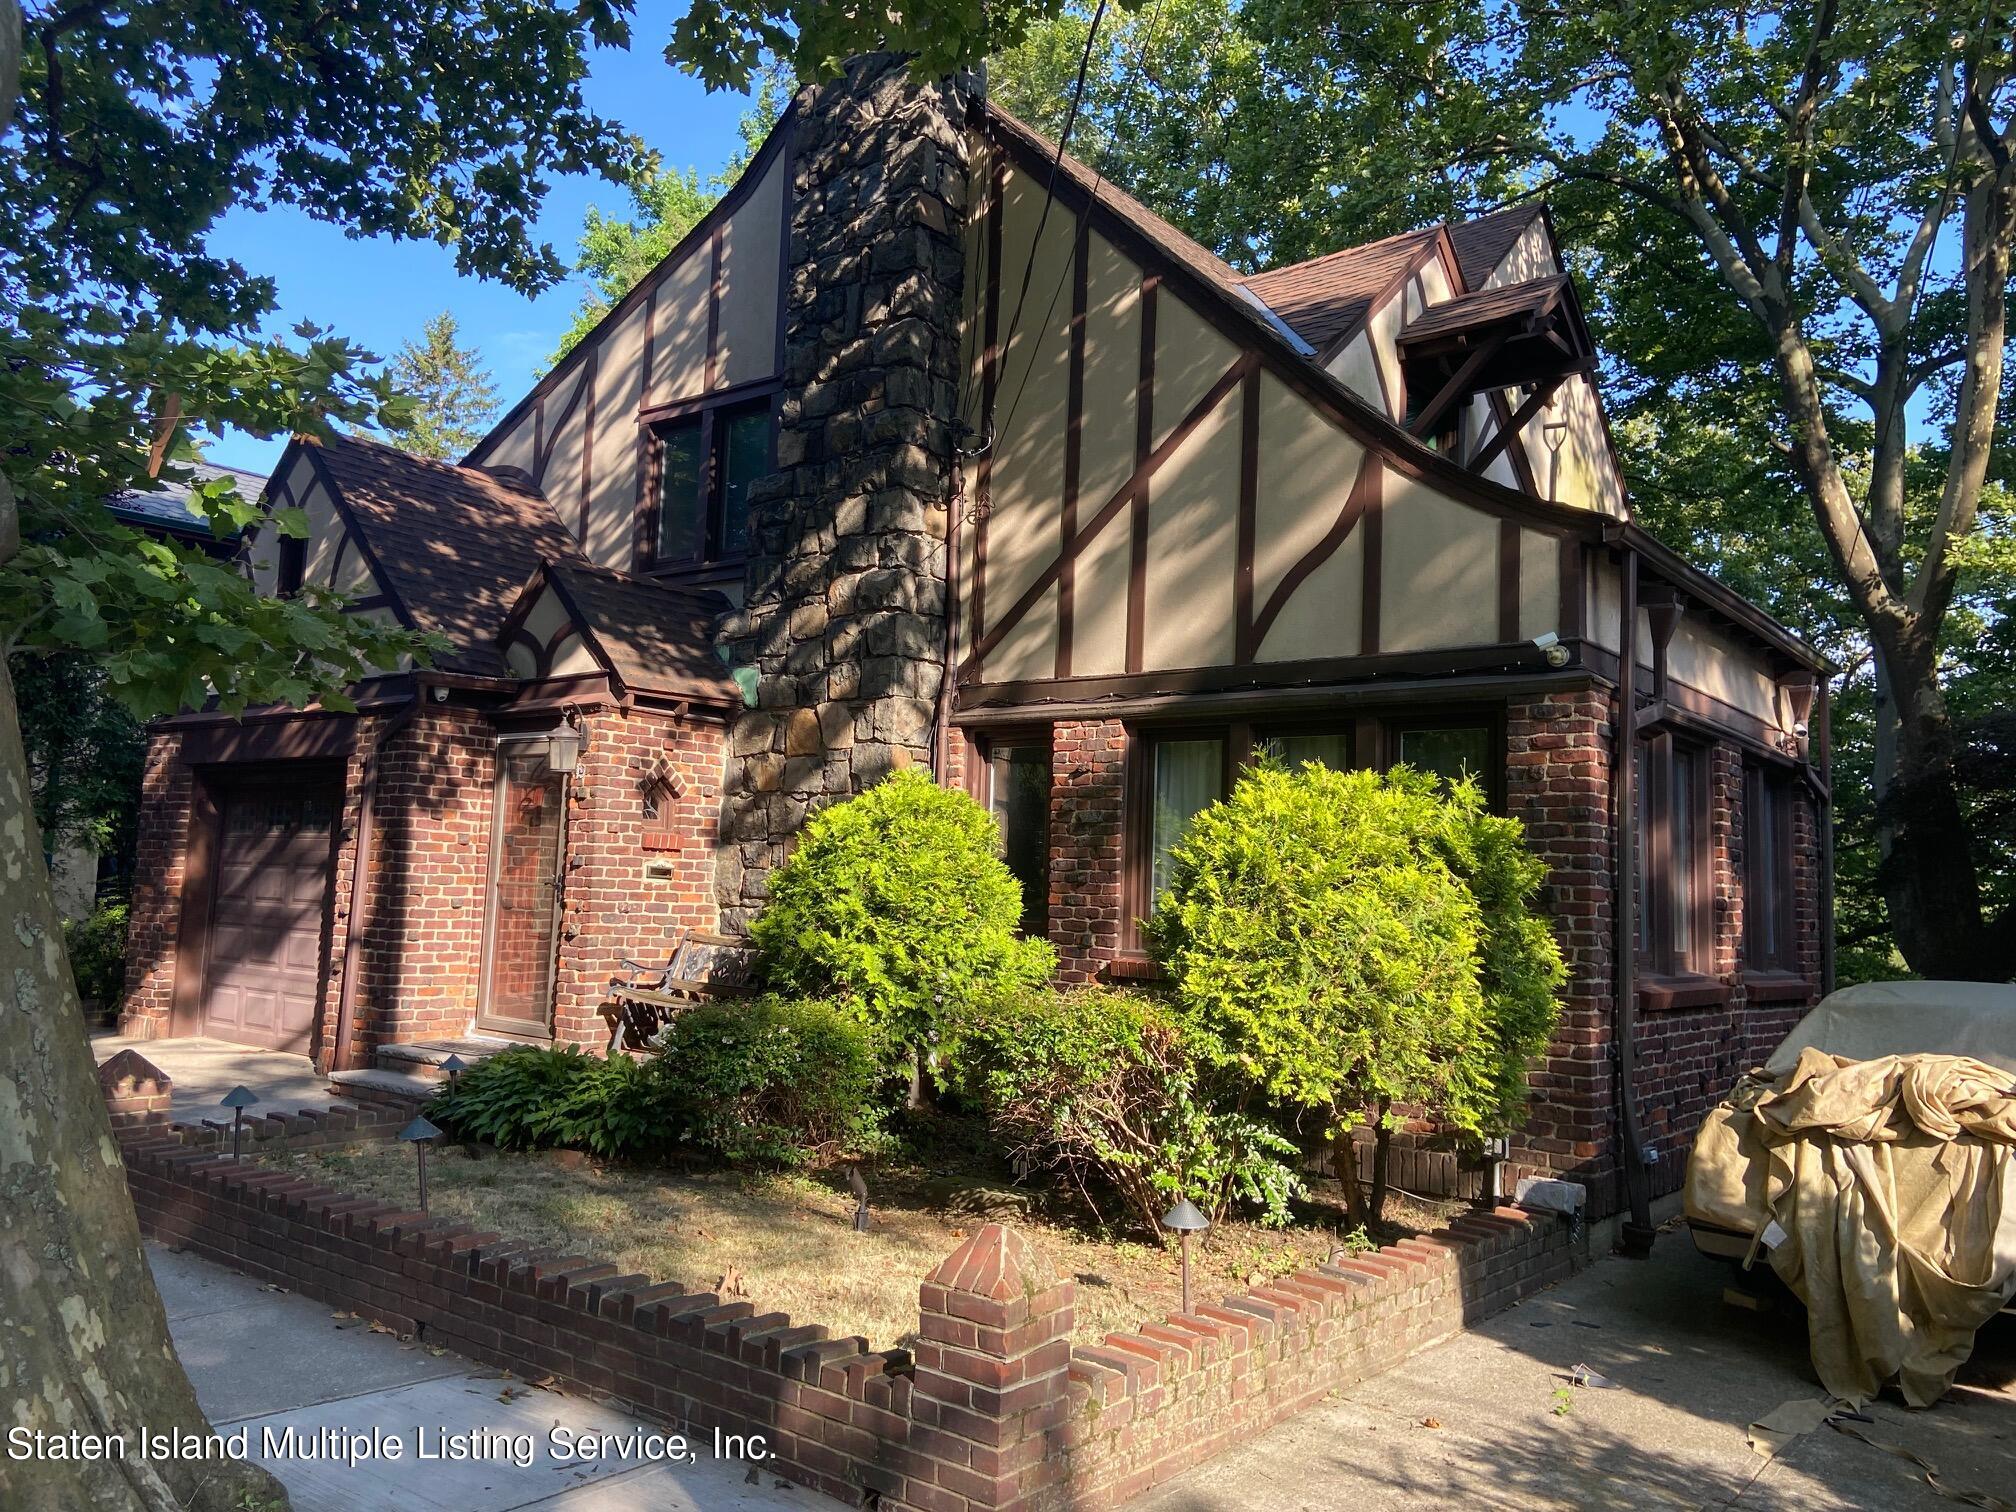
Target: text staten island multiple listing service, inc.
x: 354, y: 1447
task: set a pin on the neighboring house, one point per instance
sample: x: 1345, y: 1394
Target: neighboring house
x: 1360, y: 510
x: 166, y: 513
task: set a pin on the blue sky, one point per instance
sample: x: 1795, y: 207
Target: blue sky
x: 378, y: 291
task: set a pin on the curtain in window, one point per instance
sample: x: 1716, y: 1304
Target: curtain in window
x: 1189, y: 777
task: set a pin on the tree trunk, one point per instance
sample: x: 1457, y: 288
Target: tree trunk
x: 1382, y: 1161
x: 83, y: 1338
x: 1344, y: 1161
x: 1928, y: 872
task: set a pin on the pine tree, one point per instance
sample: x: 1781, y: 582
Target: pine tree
x: 453, y: 397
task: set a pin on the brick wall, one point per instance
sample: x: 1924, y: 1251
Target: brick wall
x: 424, y: 896
x: 154, y: 915
x: 621, y: 899
x: 1088, y: 811
x: 423, y: 906
x: 1557, y: 783
x: 996, y: 1409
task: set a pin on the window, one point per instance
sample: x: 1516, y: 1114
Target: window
x: 291, y: 566
x: 1449, y: 751
x: 1330, y: 748
x: 1674, y: 928
x: 1768, y: 881
x: 706, y: 463
x: 1188, y: 777
x: 1019, y: 794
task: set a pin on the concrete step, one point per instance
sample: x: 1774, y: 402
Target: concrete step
x: 385, y: 1088
x: 423, y: 1058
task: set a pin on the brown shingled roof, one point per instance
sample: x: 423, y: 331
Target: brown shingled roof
x: 452, y: 545
x: 1481, y: 244
x: 652, y: 635
x: 1325, y: 298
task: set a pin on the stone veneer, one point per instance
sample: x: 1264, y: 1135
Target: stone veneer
x: 844, y: 607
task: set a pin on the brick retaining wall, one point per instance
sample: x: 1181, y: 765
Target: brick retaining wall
x: 996, y: 1410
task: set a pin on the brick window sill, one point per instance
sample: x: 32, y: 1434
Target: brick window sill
x: 1656, y: 993
x: 1132, y: 967
x: 1776, y: 987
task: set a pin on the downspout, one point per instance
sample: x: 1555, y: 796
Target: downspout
x: 941, y: 730
x: 365, y: 852
x: 1637, y: 1236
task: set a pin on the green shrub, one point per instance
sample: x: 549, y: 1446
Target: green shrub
x: 1105, y: 1088
x: 1520, y: 970
x: 771, y: 1080
x: 97, y: 947
x: 1317, y: 936
x: 896, y: 904
x: 534, y: 1098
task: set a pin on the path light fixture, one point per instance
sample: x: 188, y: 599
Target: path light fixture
x: 420, y: 1134
x: 238, y: 1099
x: 1184, y: 1219
x: 453, y: 1067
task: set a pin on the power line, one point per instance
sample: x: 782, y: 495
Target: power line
x: 1098, y: 178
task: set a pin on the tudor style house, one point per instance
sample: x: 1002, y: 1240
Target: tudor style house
x: 929, y: 448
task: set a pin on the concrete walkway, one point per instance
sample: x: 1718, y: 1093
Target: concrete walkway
x: 1474, y: 1422
x: 269, y: 1361
x: 202, y: 1070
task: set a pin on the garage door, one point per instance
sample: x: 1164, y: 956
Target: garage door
x: 263, y: 976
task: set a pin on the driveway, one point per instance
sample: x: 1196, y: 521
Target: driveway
x: 1474, y: 1421
x: 268, y: 1360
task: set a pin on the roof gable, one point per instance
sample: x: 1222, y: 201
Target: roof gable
x: 451, y: 545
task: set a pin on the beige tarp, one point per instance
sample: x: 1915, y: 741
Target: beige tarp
x: 1887, y: 1193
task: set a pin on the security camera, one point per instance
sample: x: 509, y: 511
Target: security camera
x: 440, y: 693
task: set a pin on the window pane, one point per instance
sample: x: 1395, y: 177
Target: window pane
x: 1687, y: 770
x: 1189, y: 777
x: 1641, y: 804
x: 1332, y: 750
x: 745, y: 457
x: 680, y: 517
x: 1449, y: 753
x: 1021, y: 797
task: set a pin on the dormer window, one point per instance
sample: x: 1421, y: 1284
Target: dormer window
x: 705, y: 463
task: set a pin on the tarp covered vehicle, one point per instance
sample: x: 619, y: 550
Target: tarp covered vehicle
x: 1871, y: 1160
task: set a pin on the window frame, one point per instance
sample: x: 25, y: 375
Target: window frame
x: 1768, y: 798
x: 290, y: 566
x: 1666, y: 961
x: 980, y: 786
x: 1373, y: 739
x: 713, y: 414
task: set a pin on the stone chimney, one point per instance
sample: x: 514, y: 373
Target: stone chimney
x: 843, y: 615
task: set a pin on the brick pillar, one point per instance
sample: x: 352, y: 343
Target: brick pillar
x: 843, y: 613
x: 154, y: 915
x: 137, y: 1091
x: 993, y: 1371
x: 1557, y: 780
x: 1088, y: 815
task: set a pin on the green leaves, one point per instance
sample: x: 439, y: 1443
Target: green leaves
x: 896, y: 902
x: 1345, y: 941
x: 446, y: 399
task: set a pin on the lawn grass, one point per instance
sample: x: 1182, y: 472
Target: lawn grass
x: 786, y: 1242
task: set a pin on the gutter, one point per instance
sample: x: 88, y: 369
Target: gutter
x: 1638, y: 1232
x: 365, y: 852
